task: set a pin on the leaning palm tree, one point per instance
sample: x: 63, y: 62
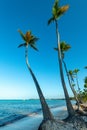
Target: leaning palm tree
x: 29, y: 40
x: 72, y: 84
x: 76, y: 75
x: 65, y: 47
x: 58, y: 11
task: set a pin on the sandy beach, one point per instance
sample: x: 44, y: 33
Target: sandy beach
x: 33, y: 122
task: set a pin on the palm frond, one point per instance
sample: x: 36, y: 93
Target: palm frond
x: 85, y: 80
x: 21, y: 45
x: 70, y: 72
x: 51, y: 20
x: 33, y: 46
x: 85, y: 85
x: 76, y: 71
x: 56, y: 4
x: 64, y: 46
x: 55, y: 8
x: 56, y: 49
x: 33, y: 40
x: 22, y: 35
x: 62, y: 10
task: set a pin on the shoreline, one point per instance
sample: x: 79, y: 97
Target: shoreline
x: 32, y: 122
x: 16, y: 117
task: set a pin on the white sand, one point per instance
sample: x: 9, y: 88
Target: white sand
x: 32, y: 123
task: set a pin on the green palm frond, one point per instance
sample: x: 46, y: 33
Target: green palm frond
x: 56, y: 49
x: 29, y: 39
x: 33, y: 40
x: 33, y: 46
x: 21, y: 45
x: 76, y: 71
x: 57, y: 11
x: 85, y: 80
x: 70, y: 72
x: 55, y: 8
x: 85, y: 85
x: 51, y: 20
x: 64, y: 46
x: 22, y: 35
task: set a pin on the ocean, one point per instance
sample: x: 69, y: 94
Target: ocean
x: 12, y: 110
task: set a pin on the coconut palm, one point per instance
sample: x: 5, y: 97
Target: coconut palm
x: 58, y: 11
x: 73, y: 75
x: 84, y: 93
x: 76, y: 75
x: 65, y: 47
x: 72, y: 84
x: 29, y: 40
x: 85, y: 82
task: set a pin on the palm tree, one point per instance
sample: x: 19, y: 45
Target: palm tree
x: 58, y: 11
x: 84, y: 93
x: 72, y: 84
x: 85, y: 82
x: 29, y: 40
x: 76, y: 74
x: 65, y: 47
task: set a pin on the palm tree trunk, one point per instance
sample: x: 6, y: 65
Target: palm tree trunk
x: 77, y: 83
x: 72, y: 88
x: 70, y: 109
x: 47, y: 115
x: 80, y: 98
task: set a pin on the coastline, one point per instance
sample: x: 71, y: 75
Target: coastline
x: 33, y: 121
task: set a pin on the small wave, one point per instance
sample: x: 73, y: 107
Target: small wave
x: 15, y: 117
x: 10, y: 119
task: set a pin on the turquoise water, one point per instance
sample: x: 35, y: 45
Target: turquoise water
x: 11, y: 110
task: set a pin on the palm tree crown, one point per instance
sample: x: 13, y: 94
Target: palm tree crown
x: 76, y: 71
x: 63, y: 47
x: 29, y: 39
x: 71, y: 74
x: 57, y: 11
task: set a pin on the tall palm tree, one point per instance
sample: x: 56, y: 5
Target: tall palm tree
x: 29, y: 40
x: 76, y: 74
x: 65, y: 47
x: 71, y: 77
x: 58, y: 11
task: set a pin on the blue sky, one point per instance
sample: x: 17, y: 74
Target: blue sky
x: 15, y: 80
